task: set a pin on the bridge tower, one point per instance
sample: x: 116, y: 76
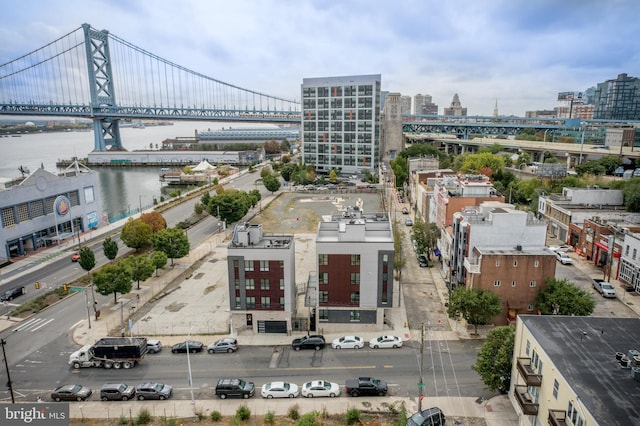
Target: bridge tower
x: 106, y: 130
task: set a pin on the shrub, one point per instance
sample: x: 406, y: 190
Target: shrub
x: 270, y: 418
x: 243, y: 413
x: 309, y: 419
x: 123, y: 420
x: 144, y: 417
x: 352, y: 416
x: 294, y: 414
x: 216, y: 416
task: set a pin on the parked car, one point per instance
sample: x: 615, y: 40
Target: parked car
x: 235, y: 387
x: 154, y: 346
x: 228, y: 345
x: 636, y: 172
x: 12, y: 294
x: 75, y: 257
x: 280, y: 390
x: 117, y: 392
x: 564, y: 258
x: 71, y: 393
x: 194, y: 346
x: 348, y: 342
x: 385, y: 342
x: 430, y: 417
x: 562, y: 247
x: 320, y: 388
x: 408, y: 222
x: 604, y: 288
x: 153, y: 390
x: 309, y: 342
x: 405, y: 210
x: 422, y: 260
x: 619, y: 171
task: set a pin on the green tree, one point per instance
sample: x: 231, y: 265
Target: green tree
x: 494, y: 359
x: 87, y: 259
x: 398, y: 260
x: 523, y: 159
x: 136, y: 234
x: 610, y: 162
x: 141, y: 268
x: 333, y: 175
x: 287, y: 172
x: 475, y: 305
x: 173, y: 242
x: 110, y: 248
x: 266, y: 171
x: 159, y: 260
x: 483, y: 162
x: 230, y: 205
x: 426, y: 236
x: 272, y: 183
x: 560, y: 297
x: 198, y: 208
x: 113, y: 278
x: 631, y: 191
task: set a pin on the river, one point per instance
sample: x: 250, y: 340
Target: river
x: 120, y: 189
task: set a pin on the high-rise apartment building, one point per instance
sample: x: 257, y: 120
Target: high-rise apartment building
x: 405, y: 104
x: 341, y: 123
x: 423, y: 105
x: 618, y: 99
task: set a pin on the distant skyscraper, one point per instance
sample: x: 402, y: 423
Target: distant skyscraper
x: 391, y: 129
x: 423, y: 105
x: 341, y: 123
x: 456, y: 108
x: 618, y: 99
x: 405, y: 104
x: 495, y: 109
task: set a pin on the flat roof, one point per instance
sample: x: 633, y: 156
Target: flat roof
x: 583, y: 350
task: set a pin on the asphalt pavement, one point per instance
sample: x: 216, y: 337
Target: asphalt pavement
x: 179, y: 301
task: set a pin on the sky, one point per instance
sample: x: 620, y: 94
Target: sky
x: 520, y: 53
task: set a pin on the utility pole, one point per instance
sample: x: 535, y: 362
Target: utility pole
x: 6, y: 366
x: 86, y: 296
x: 421, y: 384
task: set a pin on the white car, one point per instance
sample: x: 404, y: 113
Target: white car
x: 348, y: 342
x: 320, y: 388
x: 561, y: 247
x: 385, y: 342
x: 564, y: 258
x: 280, y: 390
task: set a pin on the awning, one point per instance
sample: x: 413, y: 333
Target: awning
x: 602, y: 246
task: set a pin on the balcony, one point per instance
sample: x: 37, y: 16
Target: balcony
x: 557, y: 418
x: 525, y: 370
x: 472, y: 265
x: 525, y: 400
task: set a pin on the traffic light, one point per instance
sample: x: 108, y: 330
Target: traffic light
x: 37, y: 285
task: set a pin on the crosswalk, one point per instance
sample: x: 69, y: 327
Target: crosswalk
x: 32, y: 325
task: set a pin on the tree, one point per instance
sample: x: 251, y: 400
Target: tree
x: 484, y: 162
x: 494, y: 359
x: 87, y: 259
x: 113, y: 278
x: 141, y: 267
x: 155, y: 220
x: 398, y: 260
x: 631, y: 191
x: 475, y: 305
x: 159, y: 259
x: 173, y: 242
x: 110, y: 248
x: 230, y: 205
x: 198, y: 209
x: 426, y: 236
x: 560, y: 297
x: 271, y: 182
x: 136, y: 234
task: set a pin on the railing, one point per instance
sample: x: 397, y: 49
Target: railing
x: 525, y: 370
x: 557, y: 418
x: 525, y: 400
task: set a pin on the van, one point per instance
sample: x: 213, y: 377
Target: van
x: 235, y: 387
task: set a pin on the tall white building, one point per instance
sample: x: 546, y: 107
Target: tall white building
x: 405, y: 105
x: 341, y: 123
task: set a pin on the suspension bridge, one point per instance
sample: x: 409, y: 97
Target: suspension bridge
x: 93, y: 74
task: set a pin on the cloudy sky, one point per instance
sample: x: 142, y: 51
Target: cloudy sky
x: 518, y: 52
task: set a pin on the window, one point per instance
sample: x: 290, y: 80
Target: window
x: 323, y: 314
x: 249, y: 284
x: 536, y: 263
x: 248, y: 265
x: 532, y: 283
x: 282, y: 301
x: 264, y: 283
x: 530, y: 307
x: 515, y: 263
x: 251, y: 302
x: 556, y: 386
x: 236, y: 283
x: 323, y: 259
x: 323, y: 296
x: 528, y: 347
x: 265, y: 301
x: 237, y: 302
x: 264, y: 265
x: 635, y: 252
x: 513, y: 283
x: 497, y: 283
x: 385, y: 259
x: 354, y: 315
x: 355, y: 297
x: 574, y: 416
x: 355, y: 259
x: 497, y: 263
x: 281, y: 283
x: 281, y: 264
x: 323, y: 278
x: 355, y: 278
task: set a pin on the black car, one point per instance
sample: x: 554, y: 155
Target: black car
x: 422, y: 260
x: 117, y: 392
x: 193, y: 345
x: 12, y: 294
x: 71, y: 393
x: 430, y: 417
x: 235, y: 387
x: 309, y: 342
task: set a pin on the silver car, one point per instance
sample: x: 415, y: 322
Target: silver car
x: 228, y: 345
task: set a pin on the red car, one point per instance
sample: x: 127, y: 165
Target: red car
x: 75, y: 257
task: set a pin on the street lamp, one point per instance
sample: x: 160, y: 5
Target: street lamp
x: 193, y: 401
x: 545, y: 136
x: 6, y: 366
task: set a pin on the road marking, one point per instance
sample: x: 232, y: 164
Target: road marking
x: 41, y: 325
x: 27, y: 324
x: 76, y: 324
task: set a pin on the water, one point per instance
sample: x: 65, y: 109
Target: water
x: 120, y: 189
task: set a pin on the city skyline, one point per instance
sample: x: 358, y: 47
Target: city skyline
x: 517, y: 53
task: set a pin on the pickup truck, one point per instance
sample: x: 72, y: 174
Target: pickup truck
x: 366, y: 386
x: 604, y: 288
